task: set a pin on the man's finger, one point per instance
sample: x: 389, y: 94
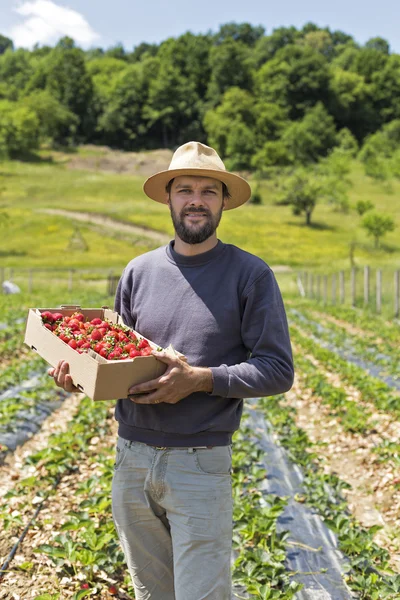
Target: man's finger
x: 147, y: 386
x: 146, y: 398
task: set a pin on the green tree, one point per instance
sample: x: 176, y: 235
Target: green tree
x: 312, y: 137
x: 302, y: 190
x: 19, y: 129
x: 296, y: 78
x: 362, y: 206
x: 233, y: 118
x: 230, y: 67
x: 267, y: 46
x: 57, y: 124
x: 5, y: 44
x: 16, y: 68
x: 239, y: 32
x: 377, y: 226
x: 171, y: 111
x: 64, y: 74
x: 122, y: 124
x: 386, y: 89
x: 378, y: 43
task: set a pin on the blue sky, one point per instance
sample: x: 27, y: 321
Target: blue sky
x: 105, y: 23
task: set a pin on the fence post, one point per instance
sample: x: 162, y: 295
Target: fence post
x: 11, y: 274
x: 325, y: 288
x: 319, y: 287
x: 396, y: 294
x: 353, y: 286
x: 30, y: 281
x: 311, y: 285
x: 341, y: 283
x: 306, y: 283
x: 378, y: 291
x: 70, y: 280
x: 366, y: 285
x: 333, y: 288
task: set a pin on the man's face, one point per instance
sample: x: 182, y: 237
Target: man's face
x: 196, y: 205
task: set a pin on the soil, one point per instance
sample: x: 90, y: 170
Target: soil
x: 374, y: 497
x: 114, y: 161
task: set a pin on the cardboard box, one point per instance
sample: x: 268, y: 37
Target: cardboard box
x: 95, y: 376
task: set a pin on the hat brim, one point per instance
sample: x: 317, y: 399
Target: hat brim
x: 239, y: 189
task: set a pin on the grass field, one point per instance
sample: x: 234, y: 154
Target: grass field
x: 32, y: 239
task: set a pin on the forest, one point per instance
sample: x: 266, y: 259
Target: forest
x: 286, y: 98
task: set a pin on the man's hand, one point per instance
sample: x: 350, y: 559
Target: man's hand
x: 178, y: 381
x: 62, y: 378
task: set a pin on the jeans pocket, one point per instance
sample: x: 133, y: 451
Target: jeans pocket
x: 120, y: 452
x: 214, y: 461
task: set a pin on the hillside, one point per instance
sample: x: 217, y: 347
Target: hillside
x: 97, y: 180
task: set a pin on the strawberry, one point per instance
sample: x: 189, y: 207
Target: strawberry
x: 113, y: 590
x: 96, y: 335
x: 143, y: 343
x: 96, y: 321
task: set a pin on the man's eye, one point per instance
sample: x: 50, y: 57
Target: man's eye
x: 210, y: 192
x: 184, y: 191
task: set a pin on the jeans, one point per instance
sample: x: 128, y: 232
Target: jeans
x: 172, y: 508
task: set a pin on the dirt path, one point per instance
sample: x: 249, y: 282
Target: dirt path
x: 109, y: 223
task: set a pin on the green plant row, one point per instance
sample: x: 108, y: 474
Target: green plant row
x: 372, y: 390
x: 259, y: 566
x: 381, y: 354
x: 21, y: 404
x: 361, y: 318
x: 370, y: 575
x: 19, y: 370
x: 353, y: 417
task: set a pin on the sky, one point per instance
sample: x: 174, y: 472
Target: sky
x: 105, y: 23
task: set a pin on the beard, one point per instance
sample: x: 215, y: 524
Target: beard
x: 195, y: 233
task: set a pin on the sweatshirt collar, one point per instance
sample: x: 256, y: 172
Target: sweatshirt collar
x: 197, y: 259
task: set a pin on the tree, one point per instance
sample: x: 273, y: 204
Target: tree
x: 239, y: 32
x: 312, y: 137
x: 64, y: 74
x: 56, y: 123
x: 230, y: 67
x: 378, y: 43
x: 302, y: 191
x: 296, y: 78
x: 235, y: 116
x: 19, y: 129
x: 377, y: 225
x: 362, y: 206
x: 5, y: 44
x: 267, y: 46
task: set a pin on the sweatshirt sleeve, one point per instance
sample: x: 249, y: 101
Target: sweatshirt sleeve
x: 122, y: 301
x: 269, y: 369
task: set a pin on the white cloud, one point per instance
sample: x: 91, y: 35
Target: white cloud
x: 46, y: 22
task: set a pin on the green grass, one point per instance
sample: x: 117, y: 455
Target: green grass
x: 32, y: 239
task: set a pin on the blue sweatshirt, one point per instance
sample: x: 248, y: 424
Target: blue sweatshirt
x: 223, y: 309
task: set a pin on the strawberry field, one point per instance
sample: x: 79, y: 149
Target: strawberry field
x: 316, y: 472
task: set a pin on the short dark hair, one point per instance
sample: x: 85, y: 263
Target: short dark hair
x: 225, y: 191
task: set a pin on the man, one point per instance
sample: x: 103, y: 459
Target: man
x: 221, y: 308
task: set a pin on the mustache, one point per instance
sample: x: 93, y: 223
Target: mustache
x: 195, y: 210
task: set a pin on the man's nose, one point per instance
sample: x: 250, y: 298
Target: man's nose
x: 196, y: 199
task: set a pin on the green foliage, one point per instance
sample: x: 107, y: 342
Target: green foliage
x: 363, y: 206
x: 19, y: 129
x: 377, y: 225
x: 302, y: 191
x: 56, y: 123
x: 5, y: 44
x: 380, y: 152
x: 310, y: 138
x: 230, y: 67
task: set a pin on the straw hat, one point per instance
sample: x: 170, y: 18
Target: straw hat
x: 197, y: 159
